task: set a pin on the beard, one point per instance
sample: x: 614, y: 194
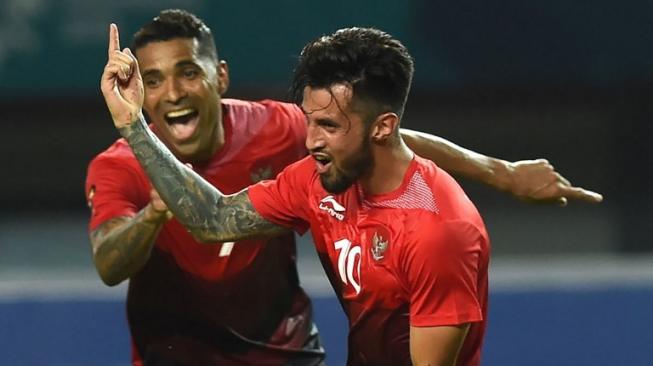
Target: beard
x: 358, y: 165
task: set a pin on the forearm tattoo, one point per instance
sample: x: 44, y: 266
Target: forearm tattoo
x: 122, y: 245
x: 207, y: 213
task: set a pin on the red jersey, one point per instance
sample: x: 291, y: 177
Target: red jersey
x: 417, y: 256
x: 226, y: 304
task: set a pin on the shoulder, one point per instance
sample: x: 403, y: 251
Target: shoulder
x: 303, y: 169
x: 267, y: 117
x: 264, y: 108
x: 290, y: 109
x: 450, y: 199
x: 115, y: 163
x: 451, y: 221
x: 297, y: 178
x: 118, y: 153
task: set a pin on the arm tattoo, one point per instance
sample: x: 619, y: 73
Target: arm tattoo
x: 207, y: 213
x: 122, y: 245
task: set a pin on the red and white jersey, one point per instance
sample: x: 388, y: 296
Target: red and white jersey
x: 417, y: 256
x: 225, y: 303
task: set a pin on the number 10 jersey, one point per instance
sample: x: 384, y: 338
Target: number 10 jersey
x: 417, y: 256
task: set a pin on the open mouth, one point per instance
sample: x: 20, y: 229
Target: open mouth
x: 181, y: 116
x: 182, y: 122
x: 323, y: 163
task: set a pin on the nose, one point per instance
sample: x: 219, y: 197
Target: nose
x: 314, y: 137
x: 174, y: 91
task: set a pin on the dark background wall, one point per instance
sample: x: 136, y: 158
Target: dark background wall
x: 567, y: 81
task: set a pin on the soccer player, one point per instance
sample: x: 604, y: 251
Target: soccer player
x: 224, y: 304
x: 188, y: 303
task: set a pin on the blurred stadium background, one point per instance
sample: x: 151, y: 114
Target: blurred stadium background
x: 569, y: 81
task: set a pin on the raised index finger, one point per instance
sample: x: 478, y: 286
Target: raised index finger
x: 114, y: 38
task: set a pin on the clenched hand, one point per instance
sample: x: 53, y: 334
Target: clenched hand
x: 121, y: 83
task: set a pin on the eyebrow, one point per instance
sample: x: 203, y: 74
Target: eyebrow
x: 179, y: 64
x: 327, y: 121
x: 150, y: 72
x: 186, y: 63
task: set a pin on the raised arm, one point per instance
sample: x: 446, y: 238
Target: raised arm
x: 209, y: 215
x: 528, y: 180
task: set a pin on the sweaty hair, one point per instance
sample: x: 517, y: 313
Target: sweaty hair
x: 176, y: 23
x: 378, y: 67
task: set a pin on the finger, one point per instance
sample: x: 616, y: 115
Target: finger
x: 581, y: 194
x: 126, y: 65
x: 135, y: 69
x: 547, y: 194
x: 542, y: 161
x: 562, y: 179
x: 119, y: 69
x: 121, y: 57
x: 114, y: 39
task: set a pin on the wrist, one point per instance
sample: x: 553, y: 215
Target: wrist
x: 137, y: 123
x: 500, y: 175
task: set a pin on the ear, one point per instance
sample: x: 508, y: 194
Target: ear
x: 223, y: 77
x: 383, y: 128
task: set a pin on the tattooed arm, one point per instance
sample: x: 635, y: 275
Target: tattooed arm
x: 122, y: 245
x: 208, y: 214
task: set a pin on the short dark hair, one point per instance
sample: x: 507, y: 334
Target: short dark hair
x: 177, y: 23
x: 377, y: 66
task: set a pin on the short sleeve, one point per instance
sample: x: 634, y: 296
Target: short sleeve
x: 283, y: 200
x: 111, y: 191
x: 442, y: 275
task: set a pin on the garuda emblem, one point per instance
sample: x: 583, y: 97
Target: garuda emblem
x: 379, y: 245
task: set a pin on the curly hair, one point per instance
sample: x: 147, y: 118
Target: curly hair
x: 378, y: 67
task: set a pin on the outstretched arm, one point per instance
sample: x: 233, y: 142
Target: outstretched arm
x: 207, y: 213
x: 528, y: 180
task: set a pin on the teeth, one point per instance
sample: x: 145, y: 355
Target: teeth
x: 180, y: 113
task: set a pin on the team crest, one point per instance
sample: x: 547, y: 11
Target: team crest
x: 258, y: 174
x: 379, y: 246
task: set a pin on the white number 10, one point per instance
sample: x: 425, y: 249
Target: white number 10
x: 346, y: 262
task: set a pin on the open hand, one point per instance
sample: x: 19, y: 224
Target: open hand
x: 121, y: 83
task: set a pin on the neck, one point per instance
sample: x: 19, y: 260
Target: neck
x: 218, y: 138
x: 390, y: 164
